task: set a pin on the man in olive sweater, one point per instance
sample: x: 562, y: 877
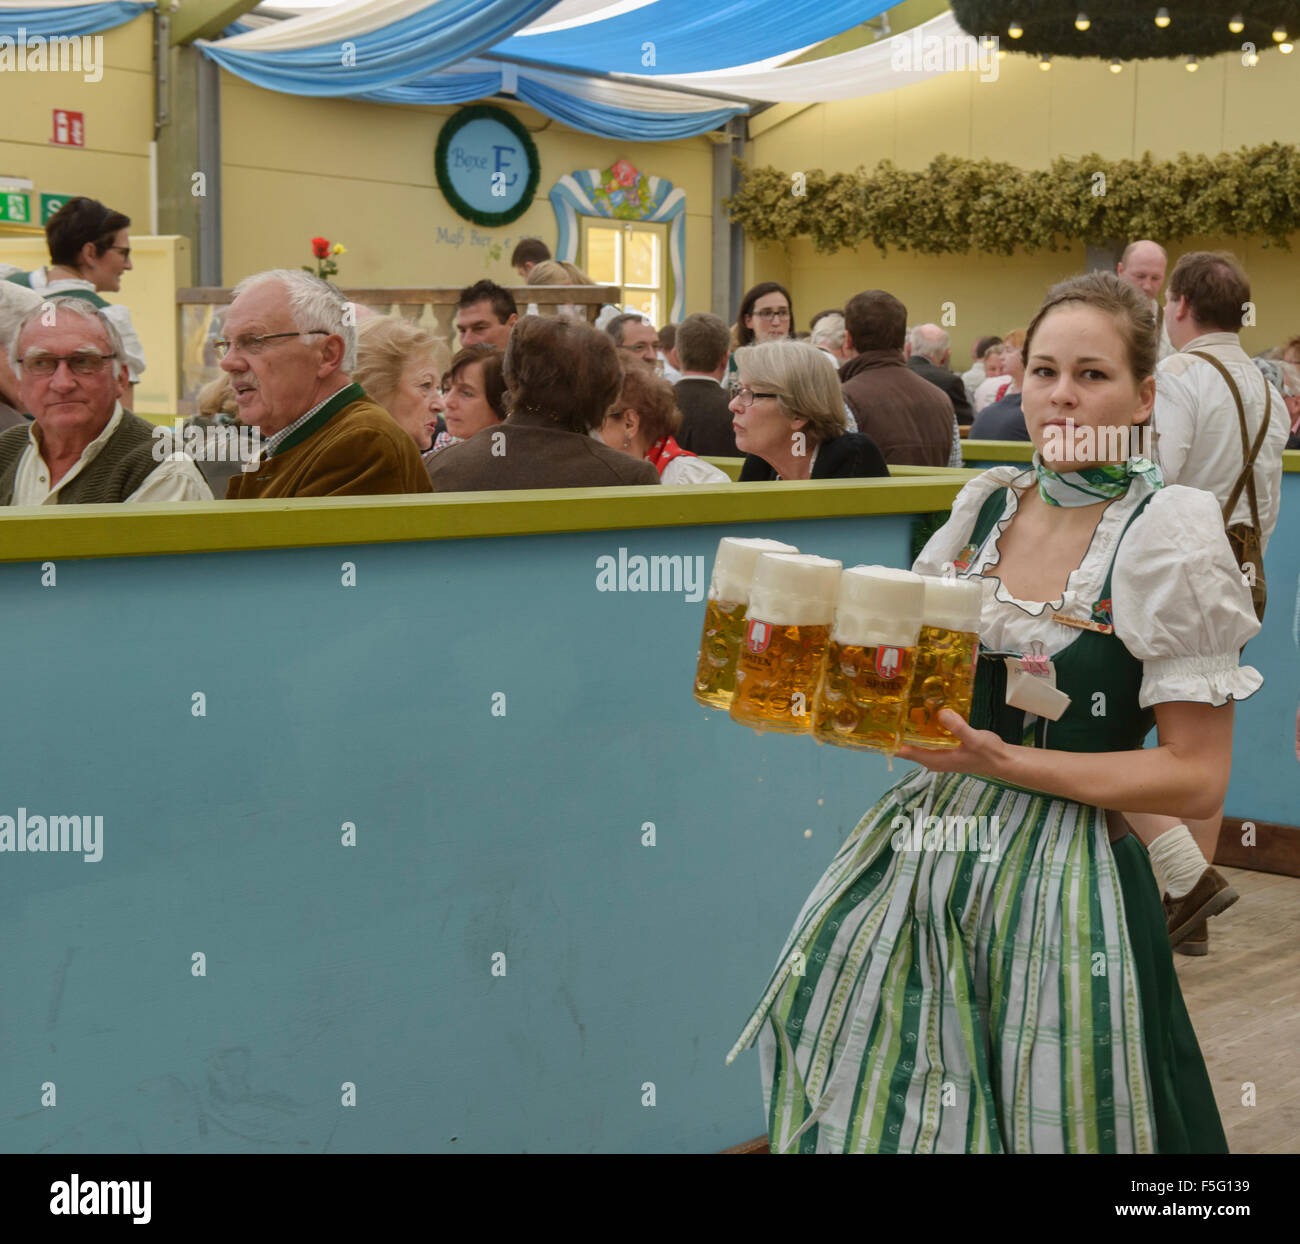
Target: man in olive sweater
x: 289, y: 350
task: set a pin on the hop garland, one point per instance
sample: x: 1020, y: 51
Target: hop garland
x: 958, y: 205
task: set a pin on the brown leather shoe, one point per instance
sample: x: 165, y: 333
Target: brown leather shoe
x: 1197, y: 942
x: 1208, y: 897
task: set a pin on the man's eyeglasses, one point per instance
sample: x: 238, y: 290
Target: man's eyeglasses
x: 255, y: 345
x: 126, y: 251
x: 88, y: 363
x: 746, y: 395
x: 767, y: 314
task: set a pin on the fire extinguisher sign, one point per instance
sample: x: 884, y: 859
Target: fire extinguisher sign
x: 69, y: 128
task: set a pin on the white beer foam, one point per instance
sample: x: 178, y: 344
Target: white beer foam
x: 879, y: 606
x: 733, y: 567
x: 953, y: 604
x: 794, y: 589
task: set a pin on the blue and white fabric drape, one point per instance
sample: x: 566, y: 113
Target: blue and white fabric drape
x: 366, y: 47
x: 50, y: 19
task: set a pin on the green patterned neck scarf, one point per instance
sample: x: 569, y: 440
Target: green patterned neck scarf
x: 1092, y: 484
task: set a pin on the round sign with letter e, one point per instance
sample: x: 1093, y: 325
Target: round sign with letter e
x: 487, y: 165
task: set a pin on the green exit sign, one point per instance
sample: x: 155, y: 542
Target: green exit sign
x: 15, y: 207
x: 50, y: 203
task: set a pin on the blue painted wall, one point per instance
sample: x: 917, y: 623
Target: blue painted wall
x: 521, y: 834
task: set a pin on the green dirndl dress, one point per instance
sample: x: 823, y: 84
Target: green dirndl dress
x: 1012, y: 993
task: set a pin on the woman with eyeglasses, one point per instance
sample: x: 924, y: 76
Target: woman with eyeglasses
x: 473, y: 394
x: 644, y: 423
x: 90, y: 248
x: 766, y: 314
x: 399, y: 365
x: 788, y: 416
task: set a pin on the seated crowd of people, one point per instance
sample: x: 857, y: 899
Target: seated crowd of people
x: 349, y: 402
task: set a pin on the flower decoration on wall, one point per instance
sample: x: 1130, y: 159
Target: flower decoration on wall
x: 325, y: 254
x: 623, y: 192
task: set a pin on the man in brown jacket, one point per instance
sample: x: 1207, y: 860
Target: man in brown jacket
x: 909, y: 419
x: 289, y: 350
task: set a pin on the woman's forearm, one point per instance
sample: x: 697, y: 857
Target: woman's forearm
x: 1155, y: 779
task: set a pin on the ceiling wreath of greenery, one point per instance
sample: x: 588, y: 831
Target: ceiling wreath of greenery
x: 957, y: 205
x: 1124, y: 30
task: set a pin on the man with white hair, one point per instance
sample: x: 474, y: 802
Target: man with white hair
x: 82, y: 447
x: 829, y: 336
x: 1143, y: 266
x: 15, y: 302
x: 927, y: 351
x: 289, y: 349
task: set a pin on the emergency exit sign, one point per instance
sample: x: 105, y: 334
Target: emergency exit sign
x: 15, y: 207
x: 69, y: 128
x: 51, y: 203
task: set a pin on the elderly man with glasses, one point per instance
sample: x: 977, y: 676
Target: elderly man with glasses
x: 82, y: 447
x: 289, y: 349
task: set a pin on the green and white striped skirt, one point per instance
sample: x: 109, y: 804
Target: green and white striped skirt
x: 963, y: 979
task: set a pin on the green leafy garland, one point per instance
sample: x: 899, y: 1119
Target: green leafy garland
x: 958, y: 205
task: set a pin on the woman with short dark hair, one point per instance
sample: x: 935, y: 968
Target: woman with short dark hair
x: 90, y: 248
x: 644, y: 423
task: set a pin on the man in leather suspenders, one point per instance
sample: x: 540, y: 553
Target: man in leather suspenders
x: 1219, y: 426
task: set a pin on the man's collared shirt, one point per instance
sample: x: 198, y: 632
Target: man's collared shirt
x: 271, y: 444
x: 176, y: 478
x: 1198, y: 437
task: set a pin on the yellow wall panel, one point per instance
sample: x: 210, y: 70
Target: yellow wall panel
x: 1180, y: 111
x: 1011, y: 119
x: 1091, y: 109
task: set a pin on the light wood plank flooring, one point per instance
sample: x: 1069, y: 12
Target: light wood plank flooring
x: 1244, y: 1001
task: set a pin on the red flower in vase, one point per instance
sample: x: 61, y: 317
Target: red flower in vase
x: 320, y: 247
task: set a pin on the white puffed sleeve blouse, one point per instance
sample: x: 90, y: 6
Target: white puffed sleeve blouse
x: 1179, y: 602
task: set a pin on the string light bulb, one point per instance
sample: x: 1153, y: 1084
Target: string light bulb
x: 1286, y: 48
x: 1045, y: 63
x: 1015, y: 30
x: 1081, y: 22
x: 1252, y: 59
x: 1116, y: 67
x: 1162, y: 18
x: 1192, y: 64
x: 1236, y: 25
x: 1279, y: 35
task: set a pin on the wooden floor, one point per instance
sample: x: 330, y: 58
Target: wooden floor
x: 1244, y: 1000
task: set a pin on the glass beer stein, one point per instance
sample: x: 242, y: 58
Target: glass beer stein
x: 946, y: 652
x: 864, y: 692
x: 724, y: 616
x: 791, y: 602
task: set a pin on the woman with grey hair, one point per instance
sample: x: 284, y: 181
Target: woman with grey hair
x: 788, y: 416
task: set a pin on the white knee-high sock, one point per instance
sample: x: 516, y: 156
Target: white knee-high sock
x: 1177, y: 861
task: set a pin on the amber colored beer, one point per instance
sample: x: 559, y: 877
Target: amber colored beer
x: 944, y: 678
x: 864, y: 691
x: 791, y: 603
x: 724, y: 616
x: 864, y: 696
x: 724, y: 631
x: 776, y: 685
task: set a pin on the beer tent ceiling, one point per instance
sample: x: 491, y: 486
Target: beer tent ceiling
x: 559, y: 58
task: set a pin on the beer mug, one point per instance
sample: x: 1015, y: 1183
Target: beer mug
x: 946, y: 652
x: 864, y: 692
x: 724, y: 616
x: 791, y: 601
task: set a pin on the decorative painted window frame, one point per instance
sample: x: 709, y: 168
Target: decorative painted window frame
x: 573, y: 196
